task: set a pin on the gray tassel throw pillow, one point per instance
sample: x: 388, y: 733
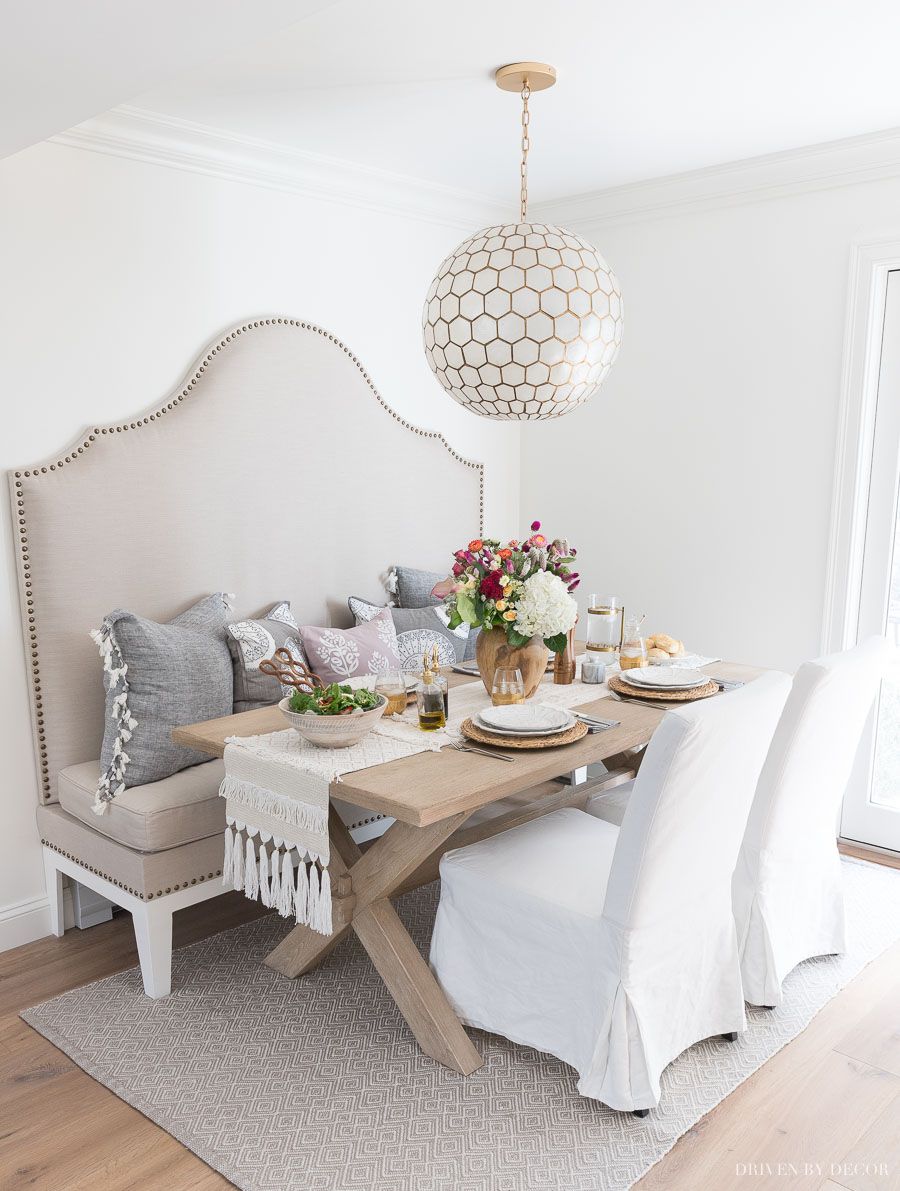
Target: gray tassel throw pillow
x: 158, y: 677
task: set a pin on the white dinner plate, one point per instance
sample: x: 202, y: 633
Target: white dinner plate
x: 526, y: 717
x: 479, y: 722
x: 669, y: 678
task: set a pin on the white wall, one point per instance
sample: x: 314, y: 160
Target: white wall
x: 115, y: 274
x: 698, y: 483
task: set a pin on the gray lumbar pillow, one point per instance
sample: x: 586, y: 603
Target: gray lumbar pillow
x: 418, y: 630
x: 413, y: 590
x: 158, y: 676
x: 250, y: 642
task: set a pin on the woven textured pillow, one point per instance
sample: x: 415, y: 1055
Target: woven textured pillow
x: 250, y: 642
x: 413, y: 590
x: 338, y: 654
x: 418, y: 630
x: 157, y: 677
x: 413, y: 587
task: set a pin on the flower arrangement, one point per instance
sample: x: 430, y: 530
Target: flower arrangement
x: 523, y: 587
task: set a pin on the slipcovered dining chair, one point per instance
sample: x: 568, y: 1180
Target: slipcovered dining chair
x: 788, y: 894
x: 614, y: 948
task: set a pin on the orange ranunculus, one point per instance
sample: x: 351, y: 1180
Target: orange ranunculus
x: 505, y: 553
x: 476, y: 544
x: 509, y: 615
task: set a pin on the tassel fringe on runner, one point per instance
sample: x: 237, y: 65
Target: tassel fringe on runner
x: 270, y: 877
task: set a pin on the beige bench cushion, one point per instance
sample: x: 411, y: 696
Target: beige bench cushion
x: 150, y: 818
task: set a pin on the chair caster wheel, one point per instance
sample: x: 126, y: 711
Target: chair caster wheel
x: 640, y: 1112
x: 732, y: 1037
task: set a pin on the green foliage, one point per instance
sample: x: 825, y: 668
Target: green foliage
x: 516, y: 639
x: 556, y: 643
x: 465, y: 606
x: 333, y: 700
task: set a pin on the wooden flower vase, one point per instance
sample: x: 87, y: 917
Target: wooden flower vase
x: 493, y: 652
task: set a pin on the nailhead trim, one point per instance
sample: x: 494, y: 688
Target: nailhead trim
x: 99, y: 431
x: 106, y: 877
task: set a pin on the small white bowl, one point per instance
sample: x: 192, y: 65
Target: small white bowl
x: 333, y: 731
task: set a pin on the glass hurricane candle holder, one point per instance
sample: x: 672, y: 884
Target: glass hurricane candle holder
x: 606, y: 622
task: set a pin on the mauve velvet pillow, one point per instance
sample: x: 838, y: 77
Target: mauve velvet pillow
x: 338, y: 654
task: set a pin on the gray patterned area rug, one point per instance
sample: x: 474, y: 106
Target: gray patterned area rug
x: 317, y: 1083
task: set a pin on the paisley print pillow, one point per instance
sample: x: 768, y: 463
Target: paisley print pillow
x: 418, y: 630
x: 249, y: 642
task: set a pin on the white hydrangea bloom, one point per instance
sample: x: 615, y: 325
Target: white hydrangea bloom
x: 545, y: 607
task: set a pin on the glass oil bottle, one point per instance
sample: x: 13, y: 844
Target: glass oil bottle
x: 442, y: 682
x: 430, y: 701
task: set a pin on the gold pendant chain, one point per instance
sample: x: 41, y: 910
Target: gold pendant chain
x: 526, y: 145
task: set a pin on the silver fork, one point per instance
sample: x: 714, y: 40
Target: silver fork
x: 639, y: 702
x: 467, y: 748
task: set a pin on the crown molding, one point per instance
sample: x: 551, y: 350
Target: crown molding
x: 869, y: 158
x: 156, y: 139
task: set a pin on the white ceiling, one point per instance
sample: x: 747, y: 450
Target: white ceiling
x: 63, y: 61
x: 645, y: 88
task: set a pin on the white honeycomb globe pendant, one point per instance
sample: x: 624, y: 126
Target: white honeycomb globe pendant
x: 522, y: 322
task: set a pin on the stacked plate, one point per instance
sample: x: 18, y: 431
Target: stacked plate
x: 663, y: 678
x: 524, y: 719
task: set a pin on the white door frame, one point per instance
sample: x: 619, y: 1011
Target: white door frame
x: 870, y: 263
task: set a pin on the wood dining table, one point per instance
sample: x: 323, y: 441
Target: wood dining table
x: 438, y: 801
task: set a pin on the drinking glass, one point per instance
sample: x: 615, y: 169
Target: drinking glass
x: 507, y: 687
x: 392, y: 684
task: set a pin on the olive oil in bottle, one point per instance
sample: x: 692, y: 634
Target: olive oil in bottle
x: 430, y: 701
x: 441, y: 682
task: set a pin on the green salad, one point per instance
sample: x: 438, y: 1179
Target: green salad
x: 334, y: 700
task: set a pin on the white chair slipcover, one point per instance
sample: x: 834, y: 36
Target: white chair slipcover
x: 788, y: 896
x: 614, y: 948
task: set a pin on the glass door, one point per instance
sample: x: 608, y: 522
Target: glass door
x: 871, y: 811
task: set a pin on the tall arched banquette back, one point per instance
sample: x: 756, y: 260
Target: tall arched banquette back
x: 276, y: 471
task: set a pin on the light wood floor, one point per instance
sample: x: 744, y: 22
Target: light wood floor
x: 830, y: 1099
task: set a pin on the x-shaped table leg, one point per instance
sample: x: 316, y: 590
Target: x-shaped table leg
x: 374, y: 875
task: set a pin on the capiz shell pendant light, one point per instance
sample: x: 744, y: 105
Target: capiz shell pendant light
x: 524, y: 320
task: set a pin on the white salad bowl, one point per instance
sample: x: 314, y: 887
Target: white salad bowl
x: 333, y: 731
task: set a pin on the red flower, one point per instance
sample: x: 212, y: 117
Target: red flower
x: 535, y: 525
x: 505, y: 553
x: 476, y: 544
x: 490, y: 586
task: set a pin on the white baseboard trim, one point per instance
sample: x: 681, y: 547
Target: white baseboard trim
x: 24, y: 922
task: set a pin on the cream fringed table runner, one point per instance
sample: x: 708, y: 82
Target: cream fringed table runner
x: 276, y: 792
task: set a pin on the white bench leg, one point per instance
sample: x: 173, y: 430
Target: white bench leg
x: 153, y: 931
x: 54, y: 881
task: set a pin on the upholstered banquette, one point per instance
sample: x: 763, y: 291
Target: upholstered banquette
x: 274, y: 471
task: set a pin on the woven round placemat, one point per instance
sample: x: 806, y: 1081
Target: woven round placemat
x: 618, y: 684
x: 574, y: 733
